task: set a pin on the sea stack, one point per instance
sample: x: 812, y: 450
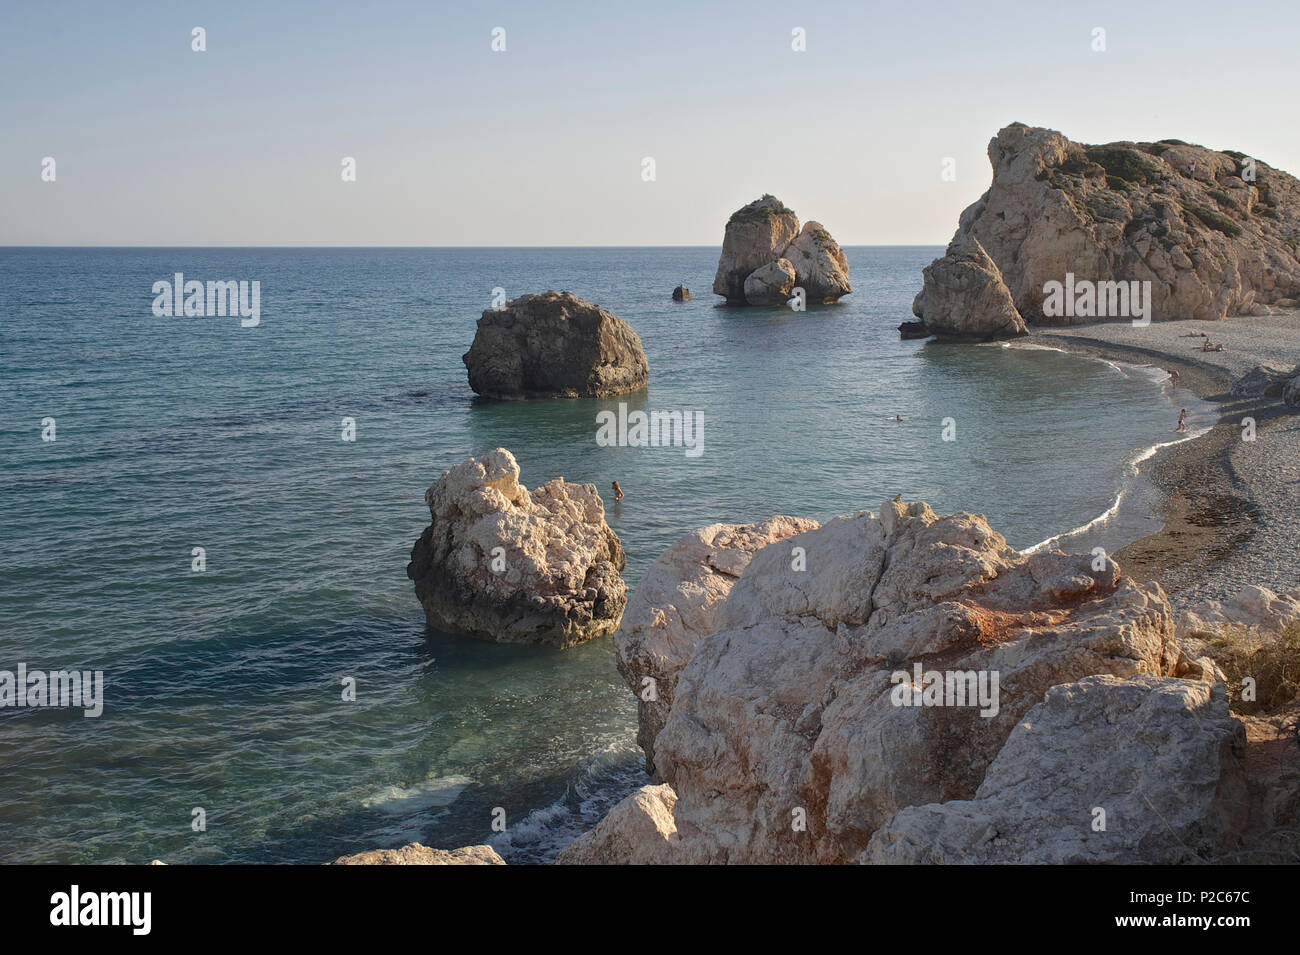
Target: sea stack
x: 509, y: 565
x: 763, y: 243
x: 1130, y: 230
x: 555, y: 345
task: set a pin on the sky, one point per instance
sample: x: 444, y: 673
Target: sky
x: 543, y: 144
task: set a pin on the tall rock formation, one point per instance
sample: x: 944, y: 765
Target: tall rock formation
x: 764, y: 247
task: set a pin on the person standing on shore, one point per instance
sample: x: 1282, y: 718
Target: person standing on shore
x: 1182, y: 420
x: 1173, y: 378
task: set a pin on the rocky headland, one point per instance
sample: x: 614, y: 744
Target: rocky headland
x: 905, y: 687
x: 555, y: 345
x: 502, y: 563
x: 1215, y: 233
x: 766, y: 255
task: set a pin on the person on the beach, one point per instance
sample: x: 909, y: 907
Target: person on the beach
x: 1173, y: 377
x: 1182, y: 420
x: 618, y: 492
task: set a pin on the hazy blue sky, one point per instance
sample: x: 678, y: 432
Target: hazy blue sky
x: 542, y: 144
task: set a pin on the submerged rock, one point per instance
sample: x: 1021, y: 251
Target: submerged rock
x: 416, y: 854
x: 1146, y: 770
x: 881, y: 662
x: 555, y: 345
x: 765, y: 256
x: 504, y: 564
x: 1212, y: 232
x: 674, y: 605
x: 964, y: 297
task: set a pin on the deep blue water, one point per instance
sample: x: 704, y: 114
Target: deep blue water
x: 224, y: 687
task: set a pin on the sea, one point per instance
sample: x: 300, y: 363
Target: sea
x: 180, y: 510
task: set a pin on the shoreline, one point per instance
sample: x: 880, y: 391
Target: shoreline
x: 1213, y: 511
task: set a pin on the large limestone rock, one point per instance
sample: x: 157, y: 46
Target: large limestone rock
x: 1210, y: 242
x: 1161, y: 757
x: 638, y: 831
x: 964, y: 297
x: 556, y: 579
x: 786, y: 740
x: 674, y: 606
x: 756, y: 235
x: 554, y: 345
x: 765, y: 255
x: 819, y: 263
x: 416, y: 854
x: 1251, y: 607
x: 770, y: 284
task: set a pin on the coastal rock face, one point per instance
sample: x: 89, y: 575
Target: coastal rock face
x: 416, y: 854
x: 1160, y: 757
x: 1251, y: 607
x: 819, y: 263
x: 638, y: 831
x: 555, y: 345
x: 770, y: 284
x: 964, y: 297
x: 1187, y: 219
x: 764, y: 234
x: 674, y: 606
x: 790, y: 738
x: 502, y: 563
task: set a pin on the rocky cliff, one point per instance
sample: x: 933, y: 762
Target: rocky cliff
x: 1215, y: 233
x: 907, y: 687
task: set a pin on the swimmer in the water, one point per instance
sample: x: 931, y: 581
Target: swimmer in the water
x: 618, y: 492
x: 898, y: 417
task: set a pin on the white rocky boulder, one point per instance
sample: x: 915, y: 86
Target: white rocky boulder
x: 756, y: 235
x: 821, y: 268
x: 639, y: 830
x: 765, y: 256
x: 502, y: 563
x: 416, y: 854
x: 1144, y: 770
x: 673, y: 607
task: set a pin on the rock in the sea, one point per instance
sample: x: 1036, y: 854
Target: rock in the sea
x: 1211, y: 240
x: 1145, y: 770
x: 790, y: 737
x: 908, y: 330
x: 771, y: 284
x: 763, y: 247
x: 416, y: 854
x: 681, y: 294
x: 504, y: 564
x: 821, y: 268
x: 674, y: 605
x: 756, y: 236
x: 555, y: 345
x: 965, y: 299
x: 637, y: 831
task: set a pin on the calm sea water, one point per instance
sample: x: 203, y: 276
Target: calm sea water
x: 224, y: 688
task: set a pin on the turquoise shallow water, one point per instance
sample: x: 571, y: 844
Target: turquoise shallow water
x: 224, y: 687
